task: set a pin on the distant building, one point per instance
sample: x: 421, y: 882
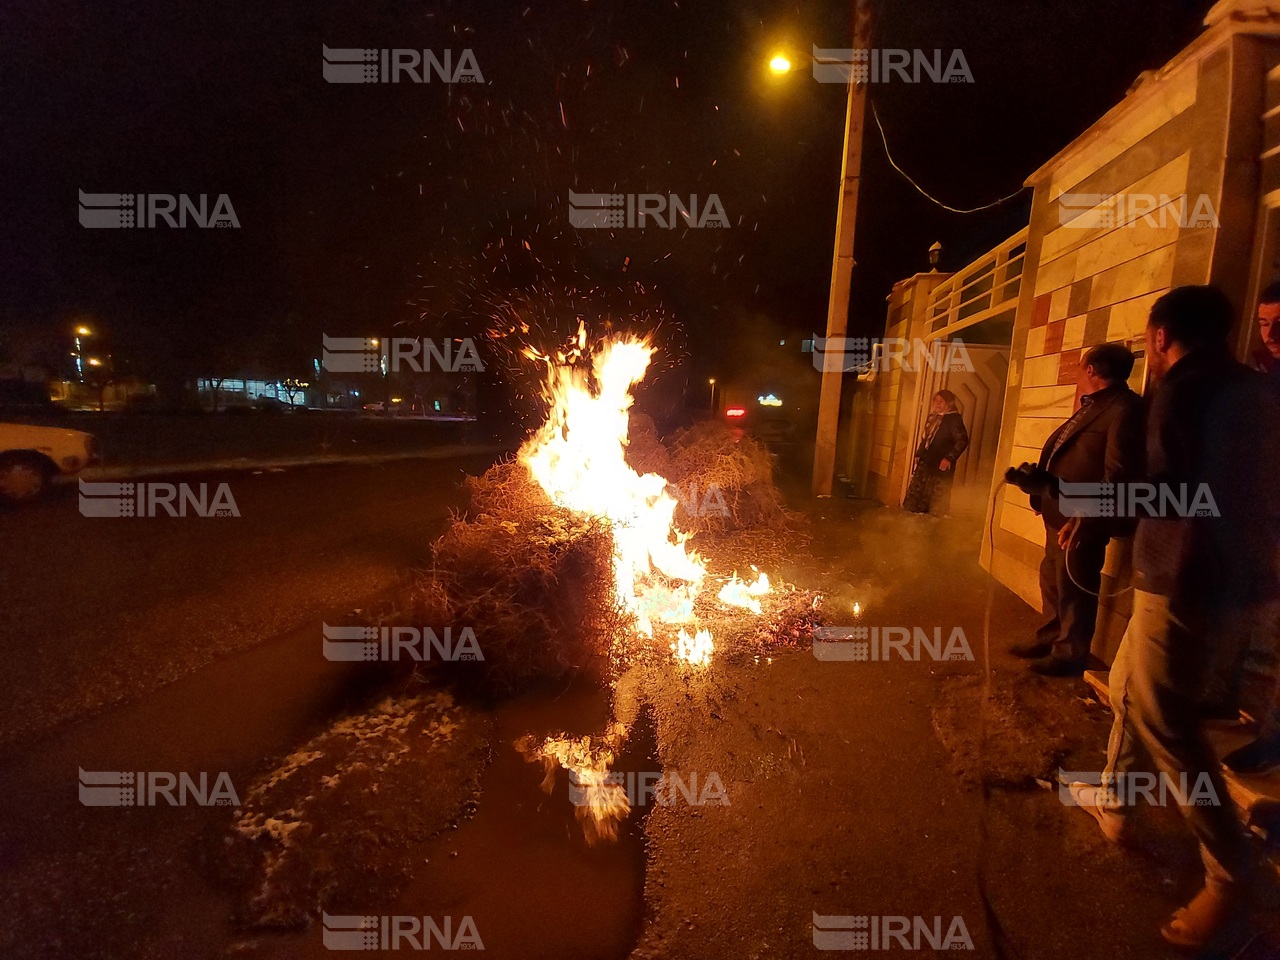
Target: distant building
x: 213, y: 392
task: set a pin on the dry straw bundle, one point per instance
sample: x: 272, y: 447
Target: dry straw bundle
x: 535, y: 581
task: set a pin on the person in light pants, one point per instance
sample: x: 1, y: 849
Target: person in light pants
x: 1215, y: 425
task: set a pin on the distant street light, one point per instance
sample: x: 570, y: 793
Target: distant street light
x: 780, y: 64
x: 95, y: 362
x: 712, y: 381
x: 81, y: 332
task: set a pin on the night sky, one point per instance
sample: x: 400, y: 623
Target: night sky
x: 363, y: 206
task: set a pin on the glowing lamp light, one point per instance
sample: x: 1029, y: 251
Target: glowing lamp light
x: 769, y: 401
x: 84, y: 331
x: 780, y: 64
x: 735, y: 412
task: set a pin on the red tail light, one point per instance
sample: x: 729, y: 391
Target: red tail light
x: 735, y: 412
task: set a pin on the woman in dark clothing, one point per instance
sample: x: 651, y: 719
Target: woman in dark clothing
x: 945, y: 438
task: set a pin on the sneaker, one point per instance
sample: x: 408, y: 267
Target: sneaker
x: 1057, y: 667
x: 1116, y: 827
x: 1031, y: 649
x: 1257, y: 758
x: 1192, y: 927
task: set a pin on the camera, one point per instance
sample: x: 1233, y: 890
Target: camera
x: 1032, y: 479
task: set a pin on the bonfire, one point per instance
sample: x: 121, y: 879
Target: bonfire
x: 579, y: 459
x: 580, y: 551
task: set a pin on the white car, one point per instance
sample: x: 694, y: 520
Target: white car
x: 31, y: 456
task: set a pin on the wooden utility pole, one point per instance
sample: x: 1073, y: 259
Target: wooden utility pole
x: 824, y: 454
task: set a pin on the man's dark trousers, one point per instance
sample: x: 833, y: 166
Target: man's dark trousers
x: 1072, y: 612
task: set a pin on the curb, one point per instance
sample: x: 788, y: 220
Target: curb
x: 137, y: 471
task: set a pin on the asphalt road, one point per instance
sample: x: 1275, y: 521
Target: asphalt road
x: 211, y: 646
x: 855, y: 789
x: 98, y: 611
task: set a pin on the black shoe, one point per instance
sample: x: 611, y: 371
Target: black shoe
x: 1057, y: 667
x: 1259, y: 757
x: 1031, y: 649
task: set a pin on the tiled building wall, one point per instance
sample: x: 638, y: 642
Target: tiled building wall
x: 1097, y: 283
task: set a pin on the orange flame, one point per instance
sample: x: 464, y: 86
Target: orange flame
x: 696, y: 650
x: 739, y: 593
x: 578, y: 458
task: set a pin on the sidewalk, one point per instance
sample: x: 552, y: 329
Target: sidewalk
x: 898, y: 789
x: 135, y: 445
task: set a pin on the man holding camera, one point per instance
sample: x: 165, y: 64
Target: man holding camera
x: 1102, y: 442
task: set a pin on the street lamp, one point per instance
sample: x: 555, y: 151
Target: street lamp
x: 780, y: 64
x: 824, y: 452
x: 712, y: 381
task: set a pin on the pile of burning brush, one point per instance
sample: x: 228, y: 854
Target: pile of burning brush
x: 576, y: 555
x: 599, y: 544
x: 533, y: 579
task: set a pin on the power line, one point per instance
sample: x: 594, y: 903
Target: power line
x: 928, y: 196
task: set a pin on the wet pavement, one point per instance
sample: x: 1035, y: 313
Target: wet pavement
x: 103, y: 610
x: 859, y: 792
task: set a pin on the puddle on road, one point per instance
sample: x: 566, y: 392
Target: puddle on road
x: 520, y: 866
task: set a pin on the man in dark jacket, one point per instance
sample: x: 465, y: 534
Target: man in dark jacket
x: 1214, y: 428
x: 1260, y: 653
x: 1101, y: 443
